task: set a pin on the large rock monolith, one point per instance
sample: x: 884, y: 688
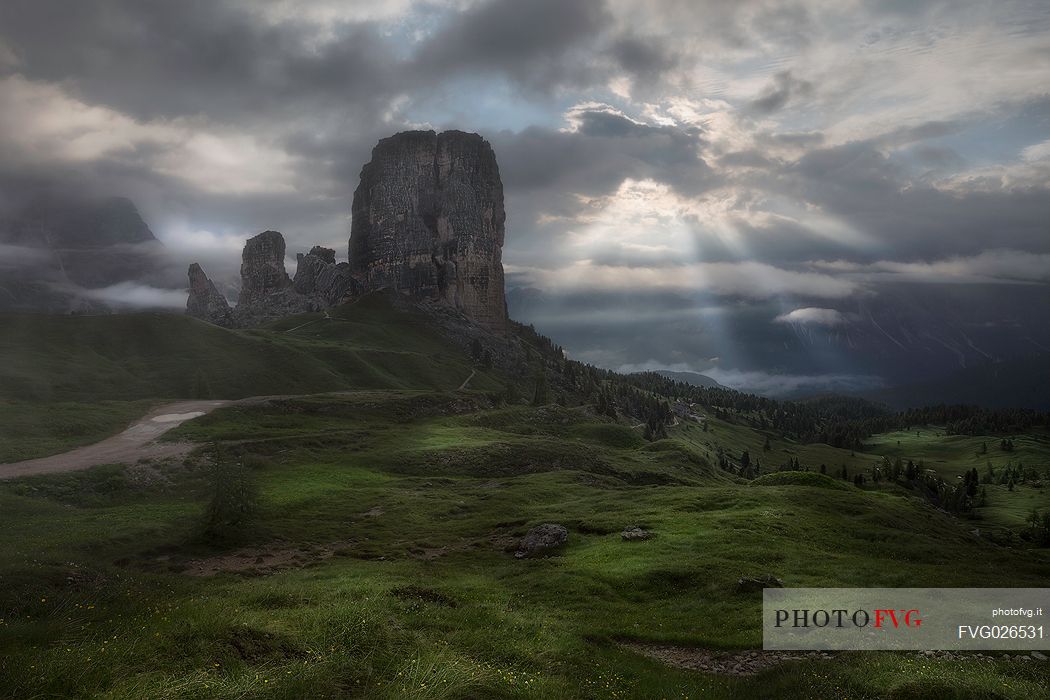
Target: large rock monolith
x: 428, y: 221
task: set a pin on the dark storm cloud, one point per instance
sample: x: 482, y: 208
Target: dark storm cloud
x: 198, y: 57
x: 868, y: 187
x: 912, y: 218
x: 795, y: 139
x: 746, y: 159
x: 170, y: 204
x: 937, y: 156
x: 322, y: 99
x: 193, y: 66
x: 527, y: 40
x: 605, y: 148
x: 644, y: 58
x: 919, y: 132
x: 888, y: 139
x: 785, y: 88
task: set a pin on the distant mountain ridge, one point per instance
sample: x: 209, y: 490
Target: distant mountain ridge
x: 1017, y: 383
x: 56, y: 247
x: 692, y: 378
x: 903, y: 333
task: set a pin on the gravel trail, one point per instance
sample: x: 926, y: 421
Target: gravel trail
x: 137, y: 442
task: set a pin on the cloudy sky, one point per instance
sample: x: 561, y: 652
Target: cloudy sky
x: 692, y: 184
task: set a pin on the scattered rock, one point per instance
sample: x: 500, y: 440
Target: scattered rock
x: 541, y: 539
x: 635, y: 532
x: 757, y: 583
x: 1038, y: 656
x: 948, y: 655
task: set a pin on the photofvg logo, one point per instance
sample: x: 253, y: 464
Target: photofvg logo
x: 841, y: 617
x: 905, y: 618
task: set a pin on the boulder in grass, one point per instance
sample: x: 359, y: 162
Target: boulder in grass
x: 541, y: 540
x: 634, y: 533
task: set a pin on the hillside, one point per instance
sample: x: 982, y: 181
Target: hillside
x: 378, y: 561
x: 363, y: 543
x: 368, y: 344
x: 73, y: 380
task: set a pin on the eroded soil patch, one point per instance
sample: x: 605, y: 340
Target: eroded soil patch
x: 726, y: 663
x: 260, y: 560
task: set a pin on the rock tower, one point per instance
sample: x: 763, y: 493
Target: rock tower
x: 428, y: 220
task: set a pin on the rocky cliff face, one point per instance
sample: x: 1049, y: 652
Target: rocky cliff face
x: 317, y: 274
x: 262, y: 268
x: 266, y: 290
x: 428, y: 220
x: 205, y: 302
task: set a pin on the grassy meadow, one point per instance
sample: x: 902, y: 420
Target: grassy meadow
x: 365, y: 345
x: 374, y: 557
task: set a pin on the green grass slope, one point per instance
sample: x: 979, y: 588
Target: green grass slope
x: 378, y: 561
x: 133, y: 356
x: 950, y: 456
x: 66, y: 381
x: 377, y: 564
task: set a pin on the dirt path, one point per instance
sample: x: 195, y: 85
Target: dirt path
x: 135, y: 443
x: 138, y: 441
x: 467, y: 380
x: 327, y: 317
